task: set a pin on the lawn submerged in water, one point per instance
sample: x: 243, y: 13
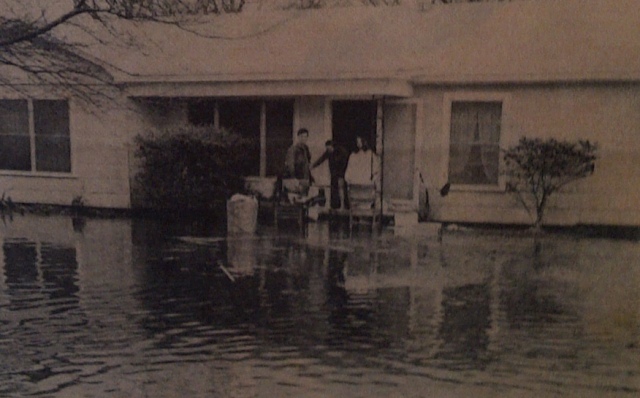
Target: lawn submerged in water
x: 138, y: 308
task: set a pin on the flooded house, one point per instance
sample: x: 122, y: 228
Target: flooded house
x: 438, y: 90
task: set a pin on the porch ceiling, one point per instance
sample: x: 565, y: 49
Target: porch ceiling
x: 261, y: 88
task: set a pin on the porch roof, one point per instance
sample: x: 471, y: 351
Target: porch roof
x: 384, y: 50
x: 271, y: 88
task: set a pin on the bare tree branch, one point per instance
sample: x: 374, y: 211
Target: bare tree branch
x: 35, y: 42
x: 18, y: 31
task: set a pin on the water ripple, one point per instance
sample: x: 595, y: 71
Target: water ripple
x: 347, y: 317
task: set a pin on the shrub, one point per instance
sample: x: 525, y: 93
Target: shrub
x: 6, y: 204
x: 538, y: 168
x: 191, y: 168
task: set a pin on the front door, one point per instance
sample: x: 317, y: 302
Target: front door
x: 351, y: 119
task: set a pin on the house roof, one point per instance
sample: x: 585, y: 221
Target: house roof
x: 498, y: 42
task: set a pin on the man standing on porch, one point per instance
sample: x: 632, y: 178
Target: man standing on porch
x: 298, y: 160
x: 338, y: 157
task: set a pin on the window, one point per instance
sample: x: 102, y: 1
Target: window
x: 201, y: 112
x: 15, y: 152
x: 269, y: 123
x: 279, y: 134
x: 34, y: 135
x: 243, y: 117
x: 474, y: 152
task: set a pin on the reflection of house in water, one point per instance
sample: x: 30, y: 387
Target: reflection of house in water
x: 444, y: 312
x: 59, y: 270
x: 379, y: 297
x: 50, y: 269
x: 527, y: 299
x: 35, y: 268
x: 20, y: 264
x: 541, y: 321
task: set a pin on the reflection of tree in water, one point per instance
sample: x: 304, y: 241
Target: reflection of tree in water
x: 465, y: 322
x: 525, y: 305
x: 540, y: 326
x: 522, y: 293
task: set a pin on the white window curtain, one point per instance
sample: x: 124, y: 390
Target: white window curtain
x: 475, y: 137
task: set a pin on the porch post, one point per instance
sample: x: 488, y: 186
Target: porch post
x: 216, y: 115
x: 263, y: 138
x: 380, y: 146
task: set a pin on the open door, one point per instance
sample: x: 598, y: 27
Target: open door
x: 351, y: 119
x: 400, y: 178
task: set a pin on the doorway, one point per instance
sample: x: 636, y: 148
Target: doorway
x: 351, y: 119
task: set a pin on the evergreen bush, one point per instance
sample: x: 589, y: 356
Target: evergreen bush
x: 192, y: 168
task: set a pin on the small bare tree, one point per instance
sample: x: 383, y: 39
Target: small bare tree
x: 536, y: 169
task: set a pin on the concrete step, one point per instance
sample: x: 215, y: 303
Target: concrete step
x: 424, y: 230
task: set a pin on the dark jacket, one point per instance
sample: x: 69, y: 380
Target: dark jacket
x: 338, y: 160
x: 297, y: 162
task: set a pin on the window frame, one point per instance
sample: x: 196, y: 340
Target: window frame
x: 215, y: 102
x: 34, y: 172
x: 477, y: 96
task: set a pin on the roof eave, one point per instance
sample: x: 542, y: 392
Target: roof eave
x: 527, y: 79
x: 162, y: 87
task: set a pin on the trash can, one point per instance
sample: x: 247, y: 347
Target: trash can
x: 242, y: 214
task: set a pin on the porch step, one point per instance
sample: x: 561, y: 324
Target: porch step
x: 405, y: 219
x: 425, y: 230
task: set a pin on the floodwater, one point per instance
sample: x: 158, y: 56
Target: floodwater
x: 121, y: 308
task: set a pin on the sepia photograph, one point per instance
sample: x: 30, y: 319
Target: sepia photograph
x: 320, y: 198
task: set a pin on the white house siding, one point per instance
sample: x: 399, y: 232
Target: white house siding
x: 99, y: 162
x: 102, y: 156
x: 104, y: 164
x: 605, y: 113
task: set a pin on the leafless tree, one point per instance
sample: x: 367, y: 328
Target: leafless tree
x: 312, y: 4
x: 36, y: 47
x: 465, y: 1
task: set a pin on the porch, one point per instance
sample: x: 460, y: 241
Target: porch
x: 389, y: 122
